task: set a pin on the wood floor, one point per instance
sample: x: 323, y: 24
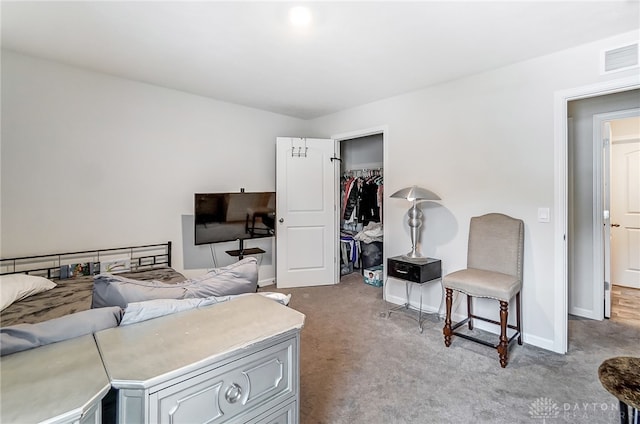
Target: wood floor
x: 625, y: 305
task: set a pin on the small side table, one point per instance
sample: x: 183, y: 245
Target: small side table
x: 414, y: 271
x: 621, y: 377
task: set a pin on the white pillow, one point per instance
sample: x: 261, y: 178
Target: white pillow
x: 14, y: 287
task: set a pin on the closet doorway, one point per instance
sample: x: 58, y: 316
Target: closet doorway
x: 361, y: 213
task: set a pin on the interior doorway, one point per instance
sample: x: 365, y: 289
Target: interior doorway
x: 361, y: 206
x: 622, y: 234
x: 589, y: 162
x: 562, y: 195
x: 616, y: 188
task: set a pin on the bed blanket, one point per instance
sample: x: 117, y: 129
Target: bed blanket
x: 71, y: 296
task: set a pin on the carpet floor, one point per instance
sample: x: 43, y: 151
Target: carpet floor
x: 360, y: 366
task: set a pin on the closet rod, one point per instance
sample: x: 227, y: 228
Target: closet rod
x: 362, y: 171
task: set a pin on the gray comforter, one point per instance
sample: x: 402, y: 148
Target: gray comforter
x: 70, y: 296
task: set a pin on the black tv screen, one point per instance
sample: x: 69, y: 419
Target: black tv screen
x: 223, y: 217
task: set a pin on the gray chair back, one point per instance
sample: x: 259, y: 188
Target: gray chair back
x: 496, y: 243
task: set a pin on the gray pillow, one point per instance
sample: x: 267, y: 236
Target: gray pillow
x: 21, y: 337
x: 149, y: 309
x: 237, y: 278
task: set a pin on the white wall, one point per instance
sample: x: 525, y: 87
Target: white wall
x: 92, y: 161
x: 362, y: 153
x: 483, y: 143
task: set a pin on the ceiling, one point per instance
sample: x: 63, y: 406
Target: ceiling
x: 352, y: 53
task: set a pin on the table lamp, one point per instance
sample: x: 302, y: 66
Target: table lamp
x: 413, y: 194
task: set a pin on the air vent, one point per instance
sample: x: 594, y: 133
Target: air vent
x: 621, y: 58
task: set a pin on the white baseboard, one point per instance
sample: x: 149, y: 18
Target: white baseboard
x: 266, y: 282
x: 581, y: 312
x: 540, y: 342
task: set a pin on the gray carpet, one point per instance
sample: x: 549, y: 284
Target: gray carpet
x: 358, y: 366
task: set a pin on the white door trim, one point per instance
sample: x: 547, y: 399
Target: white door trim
x: 561, y: 100
x: 383, y: 129
x: 605, y: 139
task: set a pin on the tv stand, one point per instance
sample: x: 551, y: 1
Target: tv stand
x: 241, y: 252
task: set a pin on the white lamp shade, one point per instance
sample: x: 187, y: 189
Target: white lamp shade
x: 415, y: 193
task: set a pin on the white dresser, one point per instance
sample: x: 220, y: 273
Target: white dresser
x: 235, y: 362
x: 58, y: 383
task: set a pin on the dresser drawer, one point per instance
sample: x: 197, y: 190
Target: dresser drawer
x: 287, y: 414
x: 414, y: 270
x: 255, y: 382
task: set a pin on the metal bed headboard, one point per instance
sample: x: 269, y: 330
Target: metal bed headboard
x: 139, y: 258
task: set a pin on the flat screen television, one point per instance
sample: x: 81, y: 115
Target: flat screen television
x: 221, y: 217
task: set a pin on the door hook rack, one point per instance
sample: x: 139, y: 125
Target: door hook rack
x: 296, y: 151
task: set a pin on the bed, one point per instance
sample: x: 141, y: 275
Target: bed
x: 71, y: 295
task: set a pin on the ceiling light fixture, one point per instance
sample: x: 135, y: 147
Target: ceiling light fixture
x: 300, y: 16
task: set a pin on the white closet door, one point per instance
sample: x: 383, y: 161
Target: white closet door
x: 306, y: 196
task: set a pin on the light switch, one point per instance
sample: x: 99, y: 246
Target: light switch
x: 543, y: 215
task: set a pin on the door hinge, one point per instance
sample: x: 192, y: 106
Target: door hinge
x: 607, y: 286
x: 605, y: 142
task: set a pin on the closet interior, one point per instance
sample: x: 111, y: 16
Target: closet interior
x: 361, y: 210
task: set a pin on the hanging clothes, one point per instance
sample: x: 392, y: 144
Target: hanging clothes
x: 361, y: 194
x: 369, y: 209
x: 351, y: 197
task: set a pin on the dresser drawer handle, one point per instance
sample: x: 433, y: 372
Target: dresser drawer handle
x: 233, y: 393
x: 400, y: 271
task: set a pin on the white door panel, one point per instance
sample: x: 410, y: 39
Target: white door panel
x: 299, y: 259
x: 625, y: 214
x: 306, y: 193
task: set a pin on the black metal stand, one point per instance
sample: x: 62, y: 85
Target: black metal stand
x: 241, y: 252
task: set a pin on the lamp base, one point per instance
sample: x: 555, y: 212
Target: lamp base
x: 416, y: 257
x: 413, y: 254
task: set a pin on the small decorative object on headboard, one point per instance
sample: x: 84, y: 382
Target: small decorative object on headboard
x: 116, y: 265
x: 75, y: 270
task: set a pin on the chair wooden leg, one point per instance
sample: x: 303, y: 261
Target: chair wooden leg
x: 503, y: 346
x: 447, y: 321
x: 518, y: 317
x: 470, y: 322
